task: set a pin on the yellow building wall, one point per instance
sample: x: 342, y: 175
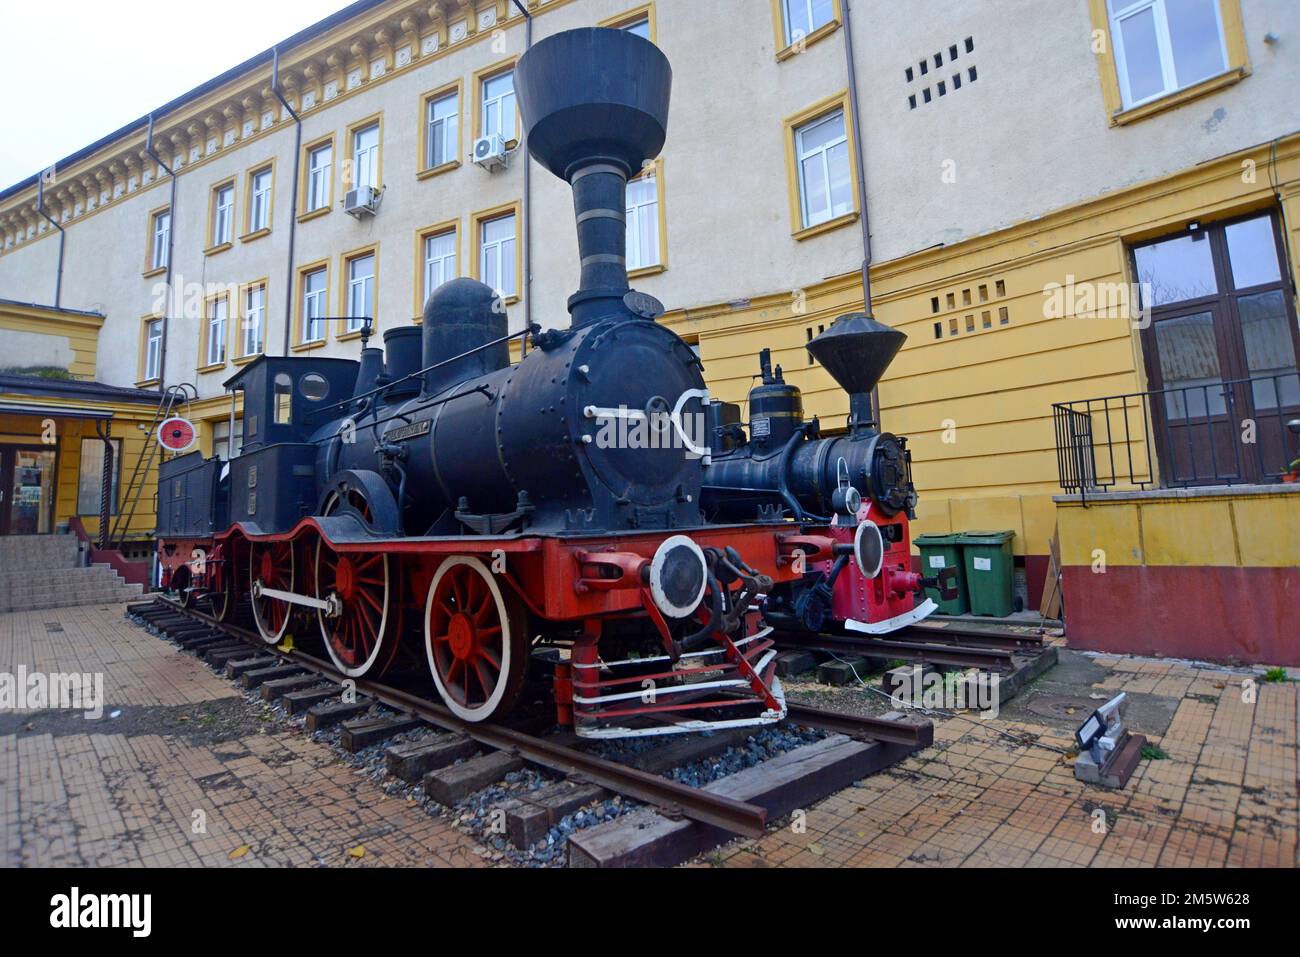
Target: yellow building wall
x: 977, y: 405
x: 79, y: 332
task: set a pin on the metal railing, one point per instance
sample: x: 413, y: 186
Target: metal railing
x: 1229, y: 432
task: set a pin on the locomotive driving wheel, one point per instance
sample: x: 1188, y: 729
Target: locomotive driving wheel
x: 271, y: 564
x: 475, y: 639
x: 363, y: 637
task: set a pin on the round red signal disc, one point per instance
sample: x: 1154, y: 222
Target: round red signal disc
x: 176, y: 435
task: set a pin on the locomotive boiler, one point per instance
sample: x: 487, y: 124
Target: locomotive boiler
x: 858, y: 483
x: 434, y: 502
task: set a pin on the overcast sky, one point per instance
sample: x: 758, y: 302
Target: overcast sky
x: 77, y: 70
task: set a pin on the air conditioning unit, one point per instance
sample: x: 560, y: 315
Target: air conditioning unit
x: 362, y: 201
x: 490, y: 152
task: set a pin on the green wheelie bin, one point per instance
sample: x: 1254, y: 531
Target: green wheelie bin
x: 989, y: 572
x: 937, y: 553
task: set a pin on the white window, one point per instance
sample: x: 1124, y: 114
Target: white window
x: 320, y: 161
x: 152, y: 349
x: 259, y: 214
x: 90, y: 476
x: 825, y: 187
x: 224, y: 222
x: 313, y: 305
x: 643, y: 222
x: 162, y: 234
x: 497, y: 254
x: 216, y: 341
x: 222, y: 447
x: 1165, y: 45
x: 365, y: 157
x: 803, y: 17
x: 254, y: 321
x: 444, y: 130
x: 361, y: 290
x: 439, y: 261
x: 640, y: 27
x: 499, y: 105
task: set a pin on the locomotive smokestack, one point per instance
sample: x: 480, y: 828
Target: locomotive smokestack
x: 595, y: 105
x: 856, y: 350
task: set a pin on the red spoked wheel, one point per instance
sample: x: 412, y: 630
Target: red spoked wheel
x: 475, y: 639
x: 363, y: 638
x: 271, y: 564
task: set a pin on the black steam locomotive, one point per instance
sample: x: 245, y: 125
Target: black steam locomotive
x: 434, y: 497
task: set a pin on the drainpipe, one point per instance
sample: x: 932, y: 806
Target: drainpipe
x: 293, y: 197
x: 857, y: 150
x: 40, y: 208
x: 171, y: 245
x: 528, y: 190
x: 103, y: 429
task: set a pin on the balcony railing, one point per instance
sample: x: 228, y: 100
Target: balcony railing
x: 1214, y: 433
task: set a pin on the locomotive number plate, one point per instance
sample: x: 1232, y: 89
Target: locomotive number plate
x: 412, y: 431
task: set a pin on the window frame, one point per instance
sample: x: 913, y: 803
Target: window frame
x: 217, y: 244
x: 481, y: 78
x: 305, y: 190
x: 661, y: 213
x: 242, y: 356
x: 151, y: 266
x: 787, y: 48
x: 302, y: 273
x: 456, y: 89
x: 206, y: 362
x: 422, y: 235
x: 480, y: 220
x: 839, y: 102
x: 345, y: 289
x: 631, y: 17
x: 251, y: 230
x: 375, y: 120
x: 143, y: 371
x: 116, y: 488
x: 1108, y: 65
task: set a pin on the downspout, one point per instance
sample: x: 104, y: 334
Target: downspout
x: 40, y: 208
x: 857, y: 150
x: 103, y: 429
x: 293, y: 197
x: 528, y: 190
x: 171, y: 245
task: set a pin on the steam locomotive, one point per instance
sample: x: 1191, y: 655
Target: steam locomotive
x: 435, y: 501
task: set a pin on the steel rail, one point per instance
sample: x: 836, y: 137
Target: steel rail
x: 915, y: 735
x: 672, y: 797
x: 958, y: 656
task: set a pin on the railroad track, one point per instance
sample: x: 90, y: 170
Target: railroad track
x: 308, y: 684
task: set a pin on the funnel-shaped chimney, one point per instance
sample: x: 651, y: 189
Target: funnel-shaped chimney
x: 595, y: 108
x: 856, y: 350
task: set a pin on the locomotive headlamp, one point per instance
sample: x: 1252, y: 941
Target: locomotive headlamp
x: 678, y: 575
x: 869, y: 549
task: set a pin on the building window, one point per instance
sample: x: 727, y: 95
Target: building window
x: 315, y: 290
x: 320, y: 163
x: 259, y: 209
x: 640, y: 27
x: 222, y: 447
x: 802, y: 18
x: 360, y: 304
x: 497, y: 243
x: 825, y: 176
x: 639, y: 20
x: 498, y: 111
x: 160, y: 239
x: 214, y: 340
x: 223, y: 214
x: 365, y: 157
x: 439, y: 260
x: 442, y: 136
x: 1222, y: 347
x: 152, y: 349
x: 643, y: 240
x: 90, y: 476
x: 254, y: 322
x: 1162, y: 46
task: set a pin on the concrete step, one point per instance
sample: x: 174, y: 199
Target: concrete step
x: 13, y: 582
x: 39, y: 551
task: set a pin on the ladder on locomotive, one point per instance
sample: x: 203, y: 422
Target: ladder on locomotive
x: 144, y: 466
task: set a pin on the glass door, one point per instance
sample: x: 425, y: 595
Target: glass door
x: 27, y: 484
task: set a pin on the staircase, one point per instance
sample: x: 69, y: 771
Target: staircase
x: 45, y: 571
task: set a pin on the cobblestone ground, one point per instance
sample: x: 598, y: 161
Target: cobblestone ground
x: 984, y: 795
x: 183, y: 750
